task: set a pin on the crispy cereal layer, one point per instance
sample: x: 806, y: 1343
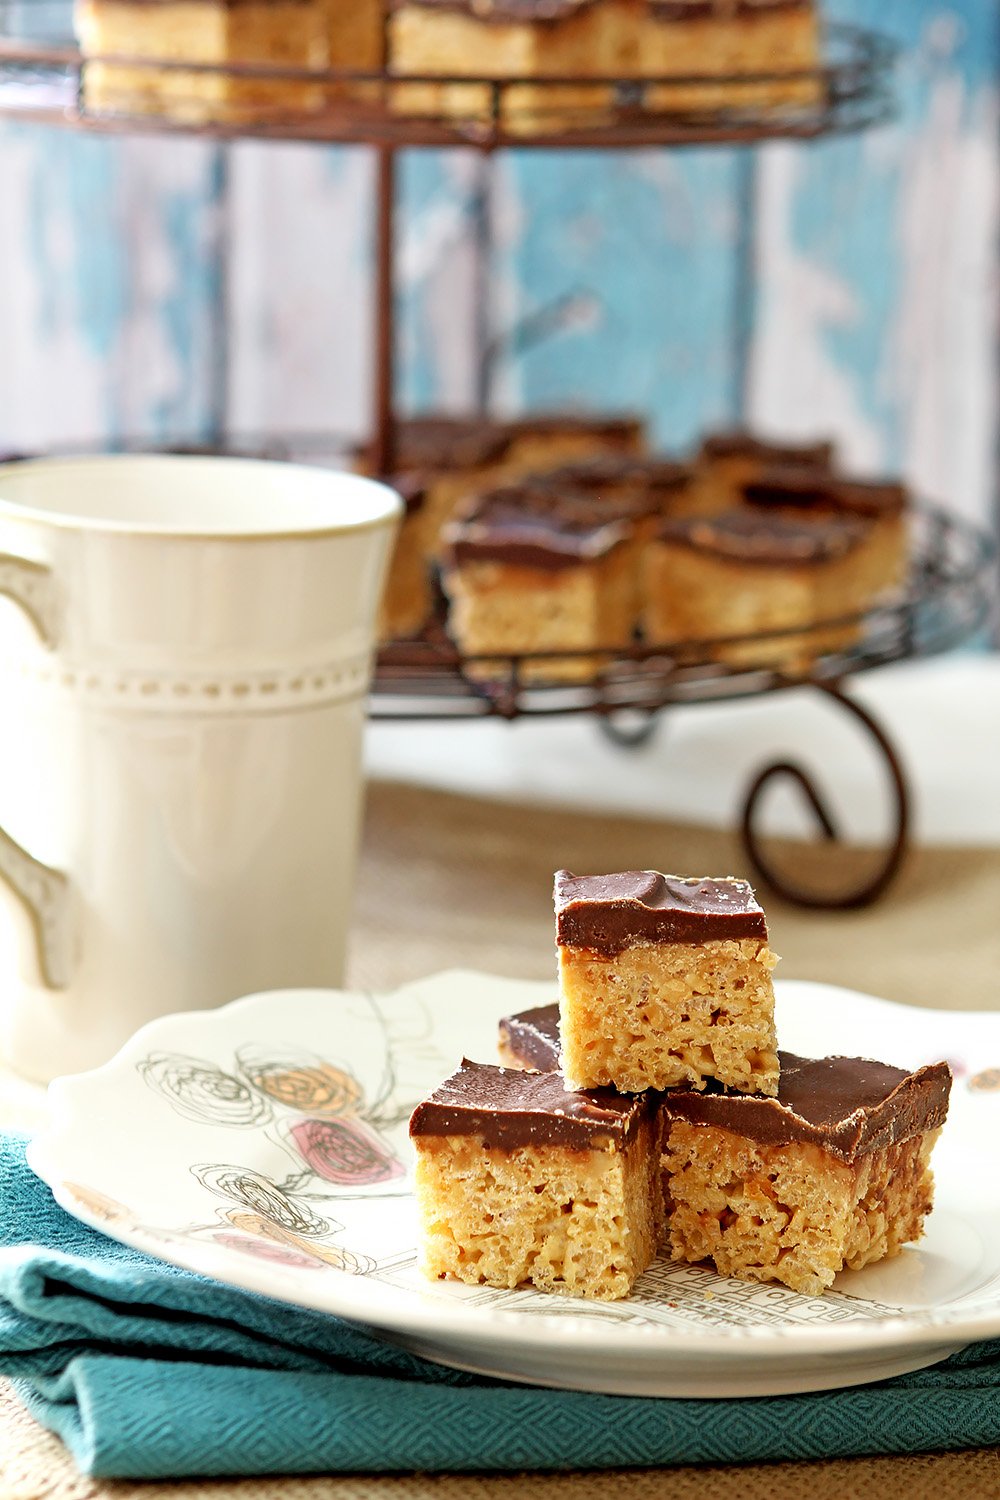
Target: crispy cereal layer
x: 795, y: 1214
x: 663, y: 1014
x: 586, y: 1223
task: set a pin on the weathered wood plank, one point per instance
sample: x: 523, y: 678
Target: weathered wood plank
x: 108, y: 277
x: 877, y: 255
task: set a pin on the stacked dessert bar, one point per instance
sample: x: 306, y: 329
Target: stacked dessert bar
x: 651, y: 1112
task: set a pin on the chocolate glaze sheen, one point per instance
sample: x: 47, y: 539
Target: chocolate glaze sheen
x: 510, y: 1107
x: 532, y: 1036
x: 850, y: 1106
x: 533, y: 527
x: 608, y: 913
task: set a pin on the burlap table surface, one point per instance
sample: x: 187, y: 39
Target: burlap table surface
x: 454, y: 882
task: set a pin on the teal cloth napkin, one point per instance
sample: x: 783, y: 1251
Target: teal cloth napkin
x: 148, y: 1372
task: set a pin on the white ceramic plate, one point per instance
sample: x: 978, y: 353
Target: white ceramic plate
x: 265, y: 1144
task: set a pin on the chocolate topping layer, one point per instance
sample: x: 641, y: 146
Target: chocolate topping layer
x: 534, y: 527
x: 509, y: 1107
x: 621, y: 428
x: 804, y: 488
x: 700, y: 10
x: 501, y: 11
x: 610, y: 470
x: 532, y: 1036
x: 757, y: 538
x: 741, y: 444
x: 608, y: 913
x: 850, y: 1106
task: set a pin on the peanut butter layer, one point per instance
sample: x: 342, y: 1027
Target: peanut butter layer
x: 757, y: 538
x: 609, y: 913
x: 851, y: 1106
x: 509, y: 1108
x: 532, y: 1036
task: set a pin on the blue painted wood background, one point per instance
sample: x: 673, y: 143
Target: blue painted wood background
x: 169, y: 289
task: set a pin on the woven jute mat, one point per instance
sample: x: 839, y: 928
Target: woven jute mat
x: 452, y: 882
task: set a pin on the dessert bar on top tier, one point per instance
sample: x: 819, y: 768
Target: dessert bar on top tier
x: 294, y: 34
x: 881, y: 504
x: 724, y: 39
x: 744, y: 574
x: 534, y: 571
x: 664, y: 981
x: 520, y: 1181
x: 832, y: 1173
x: 456, y: 39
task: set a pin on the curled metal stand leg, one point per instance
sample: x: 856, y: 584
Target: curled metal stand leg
x: 876, y: 884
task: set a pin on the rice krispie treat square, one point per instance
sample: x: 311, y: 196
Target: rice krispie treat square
x: 519, y: 1181
x: 834, y: 1172
x: 664, y: 980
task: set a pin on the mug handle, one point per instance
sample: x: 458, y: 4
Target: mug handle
x: 44, y: 891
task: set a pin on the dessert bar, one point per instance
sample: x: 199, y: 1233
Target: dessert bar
x: 773, y: 44
x: 531, y: 1039
x: 515, y: 39
x: 751, y: 574
x: 519, y: 1181
x: 834, y: 1172
x: 532, y: 571
x: 282, y: 33
x: 881, y: 560
x: 728, y: 461
x: 664, y: 981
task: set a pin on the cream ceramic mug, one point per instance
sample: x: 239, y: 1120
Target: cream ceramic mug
x: 185, y: 651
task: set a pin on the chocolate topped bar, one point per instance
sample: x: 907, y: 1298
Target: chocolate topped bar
x: 536, y: 528
x: 805, y: 487
x: 757, y: 538
x: 608, y: 913
x: 532, y: 1036
x: 511, y: 1107
x: 851, y: 1106
x: 742, y: 444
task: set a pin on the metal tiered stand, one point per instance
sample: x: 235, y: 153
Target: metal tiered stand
x: 949, y: 593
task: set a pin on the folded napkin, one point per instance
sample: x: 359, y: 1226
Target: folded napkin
x: 148, y: 1372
